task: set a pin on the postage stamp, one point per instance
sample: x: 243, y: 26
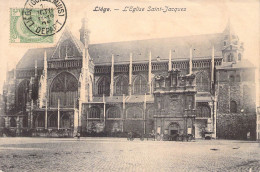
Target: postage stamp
x: 44, y: 18
x: 37, y: 22
x: 19, y: 33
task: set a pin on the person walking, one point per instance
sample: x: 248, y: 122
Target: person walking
x: 78, y: 135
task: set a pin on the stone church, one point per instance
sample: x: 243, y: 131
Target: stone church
x: 177, y: 85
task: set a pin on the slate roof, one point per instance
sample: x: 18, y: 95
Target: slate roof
x: 101, y: 53
x: 201, y: 45
x: 28, y: 59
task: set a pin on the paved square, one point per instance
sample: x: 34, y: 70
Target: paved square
x: 118, y: 154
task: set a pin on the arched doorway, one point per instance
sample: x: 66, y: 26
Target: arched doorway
x: 65, y: 88
x: 12, y: 122
x: 174, y: 128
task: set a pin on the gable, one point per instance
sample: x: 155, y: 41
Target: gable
x: 67, y: 47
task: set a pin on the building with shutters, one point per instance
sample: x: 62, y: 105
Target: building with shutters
x: 180, y: 85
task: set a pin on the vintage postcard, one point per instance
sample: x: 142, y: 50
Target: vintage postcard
x: 129, y: 85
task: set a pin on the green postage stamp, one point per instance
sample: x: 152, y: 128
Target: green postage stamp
x: 23, y: 31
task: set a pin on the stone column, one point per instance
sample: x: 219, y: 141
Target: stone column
x: 170, y: 61
x: 190, y: 63
x: 112, y: 77
x: 46, y: 115
x: 150, y: 73
x: 58, y: 114
x: 212, y: 68
x: 130, y: 75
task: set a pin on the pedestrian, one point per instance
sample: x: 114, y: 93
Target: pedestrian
x: 78, y: 135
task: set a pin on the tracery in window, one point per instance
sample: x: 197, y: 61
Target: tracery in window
x: 104, y: 86
x: 134, y: 113
x: 121, y: 86
x: 140, y: 85
x: 65, y: 88
x: 151, y: 112
x: 94, y: 112
x: 203, y: 111
x: 113, y: 112
x: 202, y: 81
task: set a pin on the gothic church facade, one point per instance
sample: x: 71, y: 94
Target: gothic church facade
x: 181, y: 85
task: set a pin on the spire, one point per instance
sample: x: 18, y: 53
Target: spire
x: 170, y: 61
x: 229, y: 31
x: 45, y: 64
x: 84, y: 33
x: 190, y: 68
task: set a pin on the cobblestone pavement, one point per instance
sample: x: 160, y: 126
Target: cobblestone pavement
x: 118, y: 154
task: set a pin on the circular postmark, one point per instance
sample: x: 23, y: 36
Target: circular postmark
x: 44, y: 17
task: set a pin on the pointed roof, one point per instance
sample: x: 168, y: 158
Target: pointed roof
x: 229, y: 29
x: 68, y: 35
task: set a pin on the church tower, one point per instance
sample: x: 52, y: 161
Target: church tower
x: 84, y: 33
x: 233, y: 49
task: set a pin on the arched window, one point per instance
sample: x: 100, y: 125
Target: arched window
x: 113, y: 112
x: 225, y: 43
x: 134, y: 113
x: 202, y: 81
x: 203, y: 112
x: 94, y: 112
x: 140, y: 85
x: 239, y: 56
x: 233, y: 107
x: 151, y: 112
x: 53, y: 120
x: 12, y: 122
x: 2, y: 122
x: 40, y: 121
x: 23, y: 94
x: 65, y: 88
x: 65, y: 121
x: 104, y: 86
x: 231, y: 78
x: 121, y: 86
x: 230, y: 57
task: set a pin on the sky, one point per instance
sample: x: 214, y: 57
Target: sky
x: 200, y: 17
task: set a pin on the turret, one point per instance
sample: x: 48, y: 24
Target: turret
x: 84, y: 33
x: 232, y: 48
